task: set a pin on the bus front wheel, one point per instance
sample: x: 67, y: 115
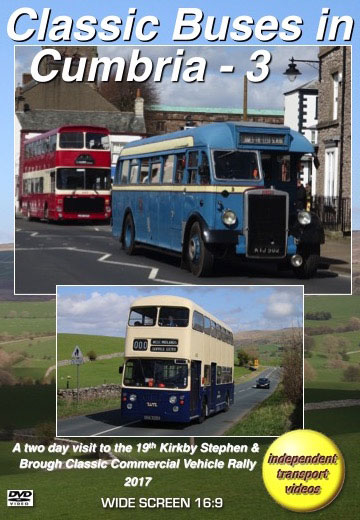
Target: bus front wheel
x: 128, y: 240
x: 200, y: 260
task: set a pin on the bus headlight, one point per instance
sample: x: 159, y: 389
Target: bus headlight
x: 304, y: 217
x: 229, y: 217
x: 172, y: 399
x: 132, y: 397
x: 175, y: 408
x: 129, y: 406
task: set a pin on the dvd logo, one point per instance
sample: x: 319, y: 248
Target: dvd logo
x: 20, y: 497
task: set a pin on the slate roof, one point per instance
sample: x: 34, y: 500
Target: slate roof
x: 117, y: 122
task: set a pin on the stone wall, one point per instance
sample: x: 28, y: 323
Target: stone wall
x: 162, y: 122
x: 93, y: 392
x: 331, y: 131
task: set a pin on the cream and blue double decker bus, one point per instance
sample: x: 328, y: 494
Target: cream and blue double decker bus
x: 217, y: 190
x: 179, y: 362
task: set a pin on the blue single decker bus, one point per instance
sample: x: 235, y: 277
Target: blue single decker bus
x: 217, y: 190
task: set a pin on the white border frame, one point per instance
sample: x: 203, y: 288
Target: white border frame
x: 184, y: 436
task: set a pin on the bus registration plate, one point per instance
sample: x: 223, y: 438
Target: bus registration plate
x: 151, y: 417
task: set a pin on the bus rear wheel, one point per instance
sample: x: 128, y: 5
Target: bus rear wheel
x: 204, y: 412
x: 128, y: 240
x: 200, y: 260
x: 227, y: 403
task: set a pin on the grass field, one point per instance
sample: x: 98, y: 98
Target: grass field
x: 27, y: 318
x: 32, y: 309
x: 93, y: 373
x: 342, y: 308
x: 328, y: 381
x: 25, y: 406
x: 271, y: 417
x: 69, y: 409
x: 101, y: 344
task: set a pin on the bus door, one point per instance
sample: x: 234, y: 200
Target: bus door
x: 195, y: 404
x: 212, y: 404
x: 176, y: 196
x: 280, y: 171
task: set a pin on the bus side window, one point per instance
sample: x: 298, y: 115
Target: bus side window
x: 52, y: 143
x: 144, y: 170
x: 218, y: 375
x: 52, y: 182
x: 207, y: 326
x: 180, y: 168
x: 155, y: 170
x: 168, y: 169
x: 198, y: 321
x: 213, y: 329
x: 124, y: 171
x: 134, y: 169
x: 207, y: 376
x: 204, y: 169
x: 192, y: 165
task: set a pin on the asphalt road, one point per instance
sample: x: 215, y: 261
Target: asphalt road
x: 68, y: 254
x: 110, y: 424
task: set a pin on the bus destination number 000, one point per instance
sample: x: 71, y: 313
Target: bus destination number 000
x: 140, y: 344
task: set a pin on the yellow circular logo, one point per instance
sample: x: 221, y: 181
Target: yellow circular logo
x: 303, y: 470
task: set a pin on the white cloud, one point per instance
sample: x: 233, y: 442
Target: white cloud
x: 103, y: 314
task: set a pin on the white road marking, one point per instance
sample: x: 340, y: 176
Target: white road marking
x: 96, y: 228
x: 115, y: 428
x: 34, y: 234
x: 105, y: 259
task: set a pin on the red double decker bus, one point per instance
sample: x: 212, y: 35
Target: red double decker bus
x: 65, y: 174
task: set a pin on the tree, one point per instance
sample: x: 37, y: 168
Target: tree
x: 122, y: 94
x: 352, y: 374
x: 293, y: 368
x: 243, y: 357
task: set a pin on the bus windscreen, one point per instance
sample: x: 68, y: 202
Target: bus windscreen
x: 83, y: 179
x: 173, y: 317
x: 142, y: 316
x: 157, y: 373
x: 236, y: 165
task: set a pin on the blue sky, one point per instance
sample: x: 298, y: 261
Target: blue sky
x: 166, y: 11
x: 104, y: 310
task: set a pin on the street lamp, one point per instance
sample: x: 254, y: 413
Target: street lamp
x: 292, y: 72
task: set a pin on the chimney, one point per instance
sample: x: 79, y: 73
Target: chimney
x: 26, y: 78
x: 139, y: 104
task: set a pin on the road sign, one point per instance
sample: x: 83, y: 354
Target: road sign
x: 77, y: 353
x: 77, y: 361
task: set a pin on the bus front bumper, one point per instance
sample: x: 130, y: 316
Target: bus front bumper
x: 155, y: 405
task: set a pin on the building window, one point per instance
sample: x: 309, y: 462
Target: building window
x: 331, y: 172
x: 160, y: 126
x: 313, y: 136
x: 336, y: 88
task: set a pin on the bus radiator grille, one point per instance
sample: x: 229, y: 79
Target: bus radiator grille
x: 267, y: 224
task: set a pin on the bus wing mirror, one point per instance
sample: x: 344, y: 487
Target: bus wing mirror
x: 316, y: 162
x: 121, y: 369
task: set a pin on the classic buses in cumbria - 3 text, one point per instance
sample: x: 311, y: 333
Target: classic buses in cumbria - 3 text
x: 217, y: 190
x: 179, y: 362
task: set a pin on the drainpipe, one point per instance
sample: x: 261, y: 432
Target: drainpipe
x: 342, y: 134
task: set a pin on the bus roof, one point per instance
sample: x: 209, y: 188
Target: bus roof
x: 175, y: 301
x: 216, y: 135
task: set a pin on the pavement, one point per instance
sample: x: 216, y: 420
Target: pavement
x: 337, y: 253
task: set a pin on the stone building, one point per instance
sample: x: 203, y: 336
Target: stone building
x: 334, y: 122
x: 301, y: 114
x: 161, y: 119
